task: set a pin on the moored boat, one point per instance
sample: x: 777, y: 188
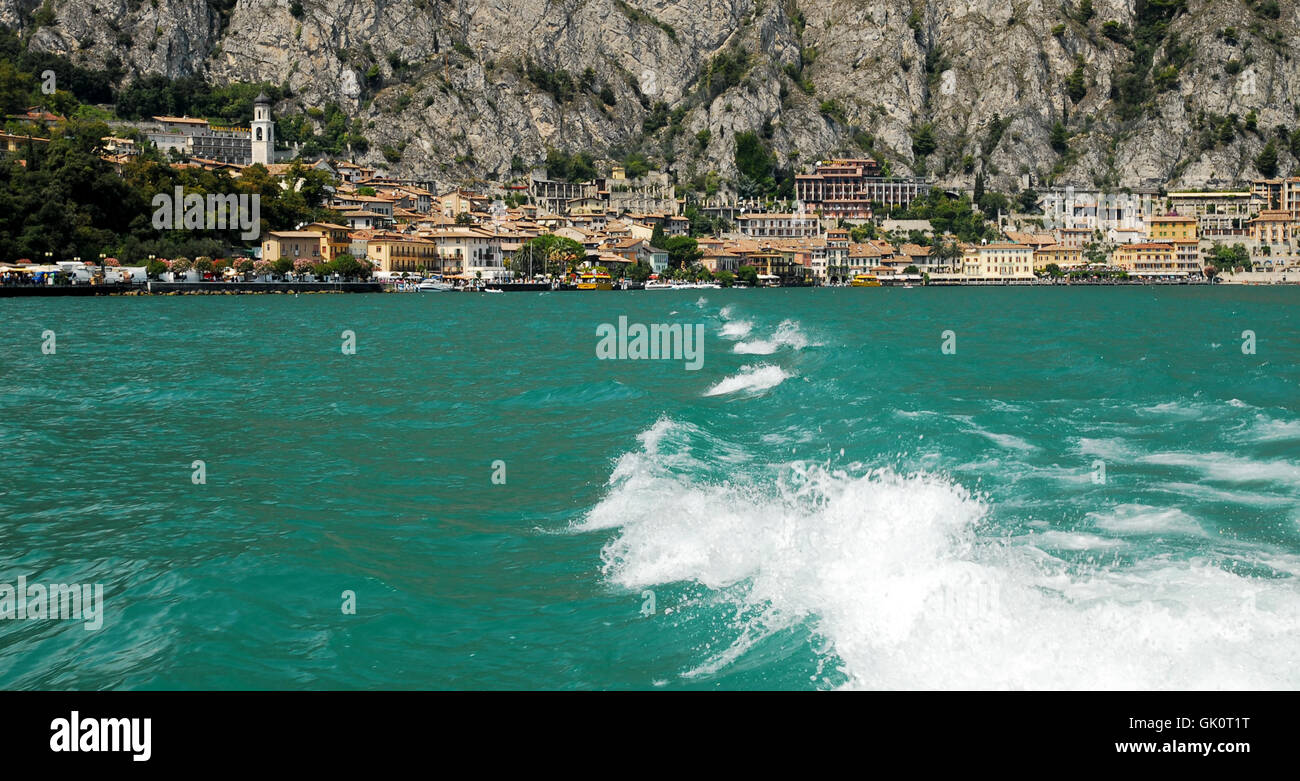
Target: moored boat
x: 434, y: 285
x: 595, y: 280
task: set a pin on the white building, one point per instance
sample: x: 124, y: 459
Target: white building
x: 1117, y: 215
x: 778, y: 226
x: 1003, y: 261
x: 263, y: 127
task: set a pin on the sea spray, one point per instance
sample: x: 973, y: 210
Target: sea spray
x: 890, y: 576
x: 787, y: 334
x: 750, y: 379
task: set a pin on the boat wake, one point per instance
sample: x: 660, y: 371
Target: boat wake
x: 899, y: 581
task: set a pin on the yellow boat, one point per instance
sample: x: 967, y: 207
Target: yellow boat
x: 865, y: 280
x: 595, y: 280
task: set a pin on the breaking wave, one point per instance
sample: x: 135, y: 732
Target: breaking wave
x: 750, y: 379
x: 899, y: 583
x: 787, y: 334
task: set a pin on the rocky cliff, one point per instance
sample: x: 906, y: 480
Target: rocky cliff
x: 1109, y: 92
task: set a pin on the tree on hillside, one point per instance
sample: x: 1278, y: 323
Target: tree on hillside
x: 1076, y: 85
x: 1266, y: 160
x: 756, y: 165
x: 658, y: 237
x: 1060, y: 139
x: 862, y: 233
x: 67, y: 199
x: 923, y: 143
x: 683, y: 252
x: 1028, y: 201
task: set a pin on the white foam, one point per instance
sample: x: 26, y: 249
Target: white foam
x: 1008, y: 441
x: 736, y: 329
x: 1209, y: 493
x: 1266, y: 429
x: 750, y: 379
x: 1228, y: 468
x: 1178, y: 409
x: 903, y: 413
x: 1080, y: 475
x: 890, y: 578
x: 1113, y: 449
x: 1145, y: 519
x: 787, y: 334
x: 1063, y: 540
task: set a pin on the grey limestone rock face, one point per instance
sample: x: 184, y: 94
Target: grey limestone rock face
x: 446, y: 81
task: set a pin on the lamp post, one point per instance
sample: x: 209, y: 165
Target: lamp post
x: 102, y: 275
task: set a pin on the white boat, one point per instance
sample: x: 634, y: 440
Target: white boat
x: 434, y: 286
x: 493, y: 290
x: 658, y: 286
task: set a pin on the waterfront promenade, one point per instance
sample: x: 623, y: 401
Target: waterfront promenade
x: 187, y: 288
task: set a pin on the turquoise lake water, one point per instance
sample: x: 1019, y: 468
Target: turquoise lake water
x: 1097, y: 489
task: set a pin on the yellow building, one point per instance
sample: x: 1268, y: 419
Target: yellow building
x: 1171, y: 227
x: 398, y: 252
x: 1180, y: 232
x: 1273, y: 227
x: 998, y: 261
x: 293, y: 245
x: 777, y: 266
x: 337, y: 238
x: 1147, y: 258
x: 14, y: 145
x: 1062, y: 255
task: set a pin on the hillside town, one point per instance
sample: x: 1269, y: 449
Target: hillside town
x: 849, y: 224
